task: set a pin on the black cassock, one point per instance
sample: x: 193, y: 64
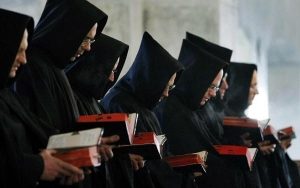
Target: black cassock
x: 186, y: 132
x: 89, y: 75
x: 22, y: 134
x: 89, y: 80
x: 270, y: 170
x: 294, y: 171
x: 138, y: 91
x: 59, y: 33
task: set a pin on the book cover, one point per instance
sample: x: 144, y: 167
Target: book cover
x: 146, y: 144
x: 121, y: 124
x: 82, y: 157
x: 243, y: 155
x: 287, y: 133
x: 191, y: 162
x: 270, y: 134
x: 236, y: 126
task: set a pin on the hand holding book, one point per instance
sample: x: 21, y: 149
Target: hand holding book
x: 266, y: 147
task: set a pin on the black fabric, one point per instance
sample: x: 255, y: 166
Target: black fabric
x: 22, y: 134
x: 212, y: 48
x: 44, y: 85
x: 213, y: 119
x: 89, y: 80
x: 62, y: 27
x: 138, y: 91
x: 213, y: 111
x: 189, y: 93
x: 277, y: 169
x: 10, y: 158
x: 294, y: 171
x: 89, y: 76
x: 239, y: 80
x: 12, y: 29
x: 147, y: 77
x: 29, y: 135
x: 218, y: 51
x: 273, y: 170
x: 185, y: 131
x: 236, y: 97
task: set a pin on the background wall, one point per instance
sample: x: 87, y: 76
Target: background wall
x: 261, y: 32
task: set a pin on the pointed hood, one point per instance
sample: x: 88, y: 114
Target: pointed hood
x: 90, y: 74
x: 150, y: 72
x: 197, y: 77
x: 218, y: 51
x: 62, y: 27
x: 12, y: 29
x: 239, y: 80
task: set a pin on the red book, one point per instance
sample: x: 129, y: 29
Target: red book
x: 243, y: 155
x: 270, y: 134
x: 146, y: 144
x: 287, y: 133
x: 236, y: 126
x: 192, y: 162
x: 82, y: 157
x: 121, y: 124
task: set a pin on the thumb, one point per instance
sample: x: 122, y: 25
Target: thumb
x: 110, y: 139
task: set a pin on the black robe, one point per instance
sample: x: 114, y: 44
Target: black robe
x: 22, y: 133
x: 58, y: 34
x: 213, y: 111
x: 89, y: 80
x: 138, y: 91
x: 186, y: 132
x: 89, y: 76
x: 294, y: 171
x: 270, y: 170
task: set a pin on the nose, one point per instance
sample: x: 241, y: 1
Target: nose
x: 22, y: 58
x: 225, y: 84
x: 87, y: 47
x: 111, y: 77
x: 212, y: 93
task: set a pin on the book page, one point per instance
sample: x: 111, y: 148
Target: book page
x: 161, y: 139
x: 203, y: 155
x: 264, y: 123
x: 90, y: 137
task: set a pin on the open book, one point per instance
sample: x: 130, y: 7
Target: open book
x: 236, y: 126
x: 146, y: 144
x: 243, y: 155
x: 81, y: 157
x: 121, y: 124
x: 270, y: 134
x: 191, y: 162
x: 77, y: 139
x: 77, y: 148
x: 287, y: 133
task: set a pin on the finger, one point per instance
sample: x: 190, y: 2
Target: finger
x: 134, y: 165
x: 103, y: 155
x: 110, y: 139
x: 267, y: 142
x: 137, y: 157
x: 108, y: 151
x: 70, y: 169
x: 141, y: 164
x: 51, y: 151
x: 245, y: 135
